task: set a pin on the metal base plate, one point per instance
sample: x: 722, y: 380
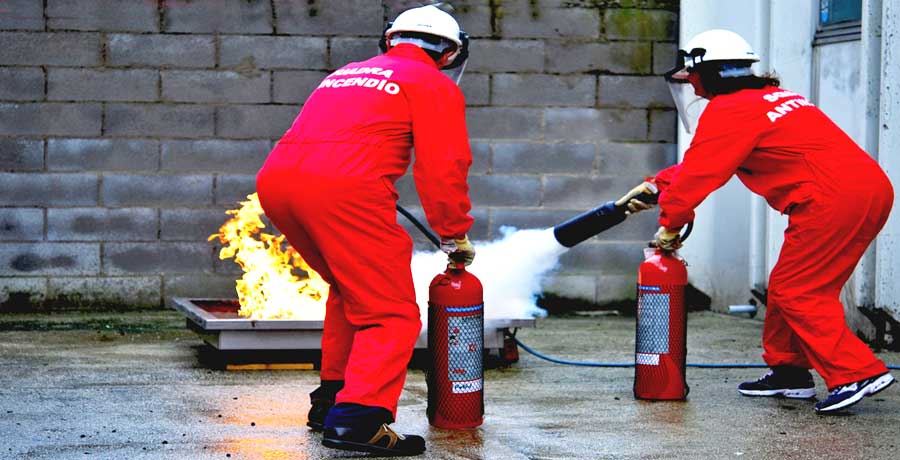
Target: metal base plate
x: 217, y: 322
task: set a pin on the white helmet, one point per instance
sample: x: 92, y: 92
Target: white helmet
x: 427, y: 20
x: 715, y: 45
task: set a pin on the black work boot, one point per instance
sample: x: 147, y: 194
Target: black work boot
x: 321, y: 400
x: 365, y: 429
x: 786, y: 381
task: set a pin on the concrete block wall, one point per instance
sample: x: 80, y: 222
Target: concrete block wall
x: 128, y: 128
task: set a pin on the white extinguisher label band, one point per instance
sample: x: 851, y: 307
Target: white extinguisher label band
x: 471, y: 386
x: 646, y: 359
x: 465, y: 337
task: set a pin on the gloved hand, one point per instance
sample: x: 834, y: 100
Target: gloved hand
x: 667, y: 240
x: 460, y: 246
x: 633, y: 204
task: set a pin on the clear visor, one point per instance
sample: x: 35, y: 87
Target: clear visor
x: 456, y: 72
x: 689, y: 105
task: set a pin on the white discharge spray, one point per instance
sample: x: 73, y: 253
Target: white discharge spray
x: 510, y: 269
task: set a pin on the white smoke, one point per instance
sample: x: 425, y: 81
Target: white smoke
x: 510, y: 270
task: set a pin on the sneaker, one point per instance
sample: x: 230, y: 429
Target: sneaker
x: 785, y: 381
x: 847, y: 395
x: 382, y: 441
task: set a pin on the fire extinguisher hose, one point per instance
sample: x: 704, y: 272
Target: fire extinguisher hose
x: 596, y: 364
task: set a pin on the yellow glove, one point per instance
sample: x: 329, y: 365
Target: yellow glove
x: 462, y: 246
x: 633, y: 204
x: 668, y: 240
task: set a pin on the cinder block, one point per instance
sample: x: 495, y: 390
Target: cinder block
x: 345, y: 50
x: 206, y: 16
x: 128, y: 258
x: 294, y: 87
x: 491, y: 56
x: 639, y: 24
x: 191, y: 224
x: 159, y: 120
x: 52, y: 119
x: 106, y: 15
x: 583, y: 192
x: 17, y: 154
x: 612, y: 258
x: 305, y: 53
x: 102, y: 155
x: 531, y: 157
x: 581, y: 287
x: 642, y: 92
x: 662, y: 125
x: 21, y: 84
x: 573, y: 125
x: 501, y: 190
x: 59, y: 49
x: 255, y: 121
x: 156, y: 190
x: 233, y: 188
x: 504, y: 123
x: 664, y: 57
x: 21, y: 224
x: 102, y: 224
x: 476, y: 88
x: 481, y: 157
x: 22, y: 15
x: 473, y: 17
x: 637, y: 159
x: 102, y: 85
x: 161, y: 50
x: 613, y: 57
x: 617, y: 288
x: 38, y: 189
x: 544, y: 90
x: 214, y: 156
x: 348, y: 17
x: 199, y: 286
x: 115, y: 293
x: 55, y: 259
x: 214, y: 86
x: 21, y: 294
x: 548, y: 19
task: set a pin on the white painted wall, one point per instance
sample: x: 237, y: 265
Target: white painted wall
x: 887, y: 264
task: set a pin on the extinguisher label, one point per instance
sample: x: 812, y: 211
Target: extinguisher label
x: 646, y: 359
x: 465, y: 336
x: 652, y: 322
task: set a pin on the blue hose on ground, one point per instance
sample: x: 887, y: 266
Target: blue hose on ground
x: 697, y: 365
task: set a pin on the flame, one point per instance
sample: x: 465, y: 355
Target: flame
x: 269, y: 287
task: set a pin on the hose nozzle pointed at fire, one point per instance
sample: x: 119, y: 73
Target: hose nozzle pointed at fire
x: 595, y: 221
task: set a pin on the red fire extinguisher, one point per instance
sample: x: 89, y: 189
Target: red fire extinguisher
x: 661, y: 337
x: 456, y: 341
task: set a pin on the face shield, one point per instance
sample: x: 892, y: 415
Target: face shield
x: 689, y: 105
x: 455, y: 69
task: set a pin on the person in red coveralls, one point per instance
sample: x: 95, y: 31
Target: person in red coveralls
x: 329, y: 187
x: 837, y: 198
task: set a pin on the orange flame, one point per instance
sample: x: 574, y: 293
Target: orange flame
x: 269, y: 287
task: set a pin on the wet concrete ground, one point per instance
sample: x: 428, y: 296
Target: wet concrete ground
x: 144, y: 395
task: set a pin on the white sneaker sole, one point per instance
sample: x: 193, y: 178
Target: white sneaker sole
x: 796, y: 393
x: 879, y: 384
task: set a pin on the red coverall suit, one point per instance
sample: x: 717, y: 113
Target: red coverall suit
x: 837, y: 198
x: 329, y: 187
